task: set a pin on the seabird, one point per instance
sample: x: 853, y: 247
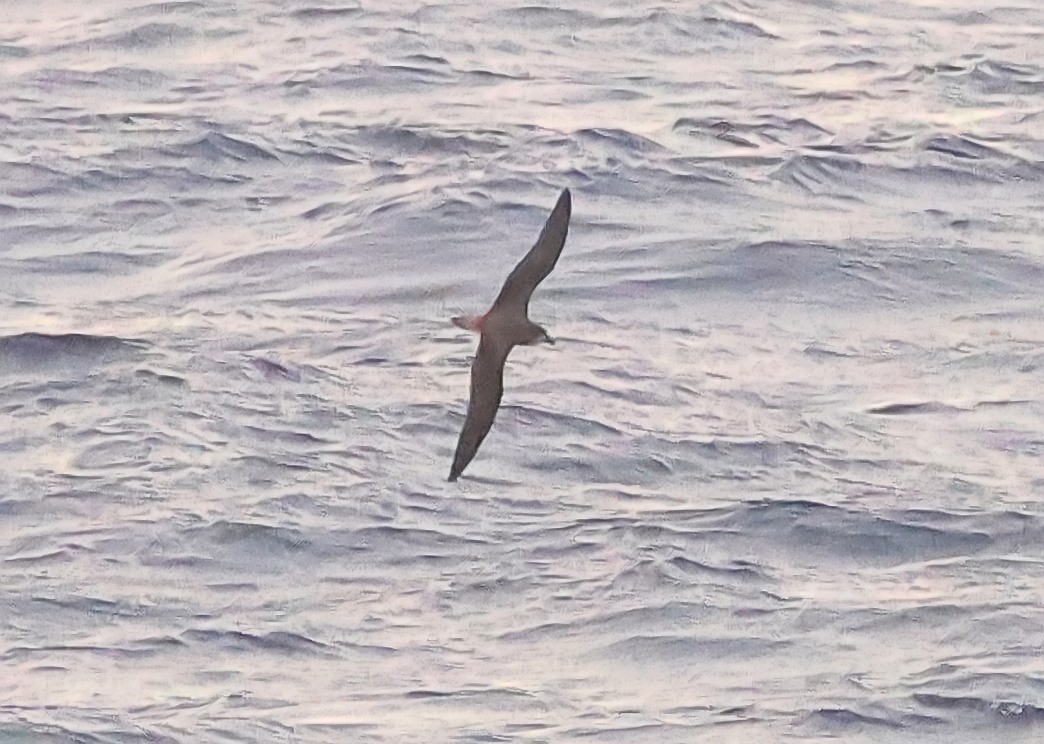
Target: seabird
x: 505, y: 326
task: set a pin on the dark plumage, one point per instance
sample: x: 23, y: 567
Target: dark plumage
x: 505, y: 326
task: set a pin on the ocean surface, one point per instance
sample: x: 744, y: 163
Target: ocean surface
x: 780, y: 479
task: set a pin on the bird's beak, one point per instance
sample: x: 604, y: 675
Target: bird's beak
x: 549, y: 340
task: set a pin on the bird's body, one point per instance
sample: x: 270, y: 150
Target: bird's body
x: 504, y: 327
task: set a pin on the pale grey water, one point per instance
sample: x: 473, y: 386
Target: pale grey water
x: 781, y: 478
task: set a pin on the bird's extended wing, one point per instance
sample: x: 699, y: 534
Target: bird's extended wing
x: 542, y: 257
x: 487, y: 385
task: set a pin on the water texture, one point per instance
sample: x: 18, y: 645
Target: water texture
x: 780, y: 478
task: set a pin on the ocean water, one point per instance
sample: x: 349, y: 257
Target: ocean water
x: 781, y: 478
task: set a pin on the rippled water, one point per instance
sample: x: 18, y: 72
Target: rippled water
x: 781, y: 477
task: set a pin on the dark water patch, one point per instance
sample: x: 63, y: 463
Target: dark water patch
x: 167, y: 379
x: 485, y: 75
x: 542, y: 632
x: 1019, y: 532
x: 280, y: 642
x: 257, y: 536
x: 604, y: 496
x: 260, y: 266
x: 427, y: 59
x: 143, y: 38
x: 839, y: 720
x: 234, y: 587
x: 402, y: 140
x: 49, y: 78
x: 1003, y: 74
x: 655, y: 20
x: 643, y: 576
x: 766, y: 129
x: 620, y: 372
x: 856, y: 96
x: 272, y: 370
x: 340, y: 727
x: 10, y: 51
x: 367, y: 77
x: 470, y: 692
x: 158, y: 643
x: 768, y: 268
x: 1013, y: 441
x: 130, y: 651
x: 295, y: 503
x: 42, y: 557
x: 959, y: 147
x: 886, y: 140
x: 129, y: 77
x: 325, y: 211
x: 993, y: 711
x: 332, y: 154
x: 25, y: 732
x: 942, y: 616
x: 816, y: 349
x: 262, y: 203
x: 544, y: 17
x: 825, y: 175
x: 855, y: 64
x: 32, y: 180
x: 612, y: 730
x: 683, y: 171
x: 47, y: 669
x: 671, y: 648
x: 811, y: 531
x: 405, y: 543
x: 906, y: 409
x: 326, y: 12
x: 216, y: 146
x: 584, y: 425
x: 721, y: 22
x: 286, y: 436
x: 38, y: 352
x: 10, y: 507
x: 140, y: 207
x: 169, y: 7
x: 159, y: 557
x: 98, y: 179
x: 736, y: 28
x: 620, y: 140
x: 274, y: 468
x: 860, y: 275
x: 108, y: 263
x: 146, y: 37
x: 418, y: 73
x: 1000, y: 78
x: 738, y: 570
x: 115, y: 452
x: 960, y: 159
x: 884, y: 541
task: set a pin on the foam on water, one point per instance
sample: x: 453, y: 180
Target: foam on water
x: 780, y: 477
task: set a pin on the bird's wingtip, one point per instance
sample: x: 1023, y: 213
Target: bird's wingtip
x: 564, y: 204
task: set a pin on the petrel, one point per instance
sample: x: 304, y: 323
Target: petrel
x: 505, y: 326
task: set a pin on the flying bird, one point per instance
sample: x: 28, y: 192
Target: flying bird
x: 505, y: 326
